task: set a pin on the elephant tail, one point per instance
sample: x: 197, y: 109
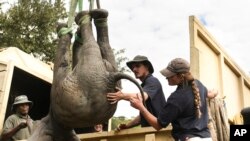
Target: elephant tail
x: 118, y: 76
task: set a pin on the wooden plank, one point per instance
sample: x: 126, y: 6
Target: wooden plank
x: 150, y: 137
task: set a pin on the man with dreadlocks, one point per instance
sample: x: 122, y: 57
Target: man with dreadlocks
x: 186, y: 107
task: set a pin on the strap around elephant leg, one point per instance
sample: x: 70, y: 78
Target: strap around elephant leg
x: 102, y: 22
x: 64, y: 31
x: 84, y: 19
x: 78, y: 39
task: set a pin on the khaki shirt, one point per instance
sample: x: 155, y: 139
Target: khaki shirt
x: 14, y: 120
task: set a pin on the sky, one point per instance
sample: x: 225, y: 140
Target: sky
x: 159, y: 29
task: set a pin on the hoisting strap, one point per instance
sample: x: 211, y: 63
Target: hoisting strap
x: 64, y: 31
x: 72, y: 10
x: 102, y: 22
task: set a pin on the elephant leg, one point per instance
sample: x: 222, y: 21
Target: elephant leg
x: 62, y: 61
x: 89, y: 48
x: 76, y: 46
x: 74, y: 137
x: 49, y: 130
x: 100, y: 20
x: 61, y: 132
x: 43, y: 131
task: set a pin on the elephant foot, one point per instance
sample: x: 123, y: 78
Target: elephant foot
x: 62, y: 29
x: 82, y: 18
x: 99, y: 13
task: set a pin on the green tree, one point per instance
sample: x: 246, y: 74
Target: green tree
x: 115, y: 121
x: 30, y: 26
x: 120, y: 59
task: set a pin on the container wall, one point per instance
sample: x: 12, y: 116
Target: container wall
x: 6, y: 70
x: 216, y: 69
x: 134, y: 134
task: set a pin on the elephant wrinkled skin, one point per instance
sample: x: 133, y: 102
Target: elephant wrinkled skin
x: 81, y: 81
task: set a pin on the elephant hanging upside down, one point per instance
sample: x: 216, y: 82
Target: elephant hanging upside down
x: 81, y: 81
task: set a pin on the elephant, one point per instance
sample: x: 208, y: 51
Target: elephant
x: 82, y: 78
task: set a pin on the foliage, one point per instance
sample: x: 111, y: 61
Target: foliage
x: 120, y: 59
x: 30, y: 26
x: 115, y: 121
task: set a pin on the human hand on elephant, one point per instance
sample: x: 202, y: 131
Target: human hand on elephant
x: 115, y: 97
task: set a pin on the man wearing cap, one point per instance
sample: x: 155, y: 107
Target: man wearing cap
x: 19, y: 125
x: 153, y: 93
x: 186, y: 107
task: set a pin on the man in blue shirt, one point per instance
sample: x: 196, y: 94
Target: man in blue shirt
x: 153, y: 93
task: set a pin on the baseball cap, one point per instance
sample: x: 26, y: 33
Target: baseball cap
x: 175, y: 66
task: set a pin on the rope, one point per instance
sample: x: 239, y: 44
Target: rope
x: 85, y: 19
x: 91, y: 4
x: 72, y: 9
x: 80, y: 5
x: 73, y: 5
x: 64, y: 31
x: 78, y: 39
x: 101, y: 22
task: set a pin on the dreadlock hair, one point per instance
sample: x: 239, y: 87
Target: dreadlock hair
x: 188, y: 77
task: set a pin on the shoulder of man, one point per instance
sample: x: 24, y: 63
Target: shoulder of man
x: 153, y: 79
x: 13, y: 116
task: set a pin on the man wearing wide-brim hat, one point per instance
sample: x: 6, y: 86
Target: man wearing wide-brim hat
x: 19, y: 125
x: 153, y: 93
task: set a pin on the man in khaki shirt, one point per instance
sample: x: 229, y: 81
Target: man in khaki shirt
x: 19, y: 125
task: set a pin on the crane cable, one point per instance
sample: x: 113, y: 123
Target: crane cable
x: 72, y: 9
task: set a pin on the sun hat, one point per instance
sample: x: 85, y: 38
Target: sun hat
x: 139, y: 59
x: 20, y: 100
x: 175, y: 66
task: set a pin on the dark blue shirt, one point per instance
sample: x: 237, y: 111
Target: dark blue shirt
x: 156, y: 100
x: 180, y: 111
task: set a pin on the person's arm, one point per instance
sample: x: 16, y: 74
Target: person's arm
x: 119, y: 95
x: 152, y: 120
x: 212, y: 93
x: 7, y: 135
x: 135, y: 122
